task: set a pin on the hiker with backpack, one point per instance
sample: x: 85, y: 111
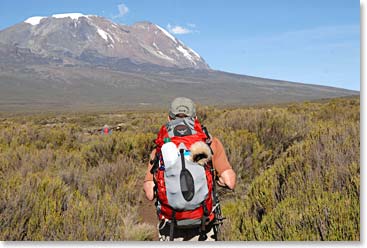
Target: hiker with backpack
x: 182, y: 175
x: 106, y: 130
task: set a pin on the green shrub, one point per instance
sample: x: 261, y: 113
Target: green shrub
x: 297, y: 165
x: 310, y: 193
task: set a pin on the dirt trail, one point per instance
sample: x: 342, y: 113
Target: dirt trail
x: 147, y: 212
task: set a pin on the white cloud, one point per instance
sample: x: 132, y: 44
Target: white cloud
x: 123, y: 9
x: 178, y: 29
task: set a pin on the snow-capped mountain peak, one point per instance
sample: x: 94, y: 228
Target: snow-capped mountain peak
x: 76, y: 36
x: 74, y: 16
x: 35, y: 20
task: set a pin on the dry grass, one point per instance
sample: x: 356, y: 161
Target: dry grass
x: 297, y: 167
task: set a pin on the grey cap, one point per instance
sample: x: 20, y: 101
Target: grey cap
x: 182, y: 105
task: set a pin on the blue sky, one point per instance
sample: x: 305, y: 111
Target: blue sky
x: 312, y: 41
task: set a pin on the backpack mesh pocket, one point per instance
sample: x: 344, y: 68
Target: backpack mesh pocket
x: 187, y: 185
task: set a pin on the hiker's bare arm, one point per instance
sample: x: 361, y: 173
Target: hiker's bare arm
x: 148, y: 181
x: 227, y: 178
x: 148, y: 188
x: 149, y: 184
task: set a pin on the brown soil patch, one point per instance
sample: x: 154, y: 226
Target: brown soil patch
x: 147, y: 213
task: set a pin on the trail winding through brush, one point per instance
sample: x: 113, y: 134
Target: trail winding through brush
x: 147, y: 212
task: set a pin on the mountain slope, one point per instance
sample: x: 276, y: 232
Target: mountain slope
x: 57, y: 87
x: 72, y: 36
x: 75, y: 61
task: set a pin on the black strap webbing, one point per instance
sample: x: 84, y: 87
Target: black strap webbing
x: 154, y: 163
x: 203, y: 235
x: 182, y: 158
x: 172, y: 226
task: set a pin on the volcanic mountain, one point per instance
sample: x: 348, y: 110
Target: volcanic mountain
x: 77, y: 61
x: 82, y: 37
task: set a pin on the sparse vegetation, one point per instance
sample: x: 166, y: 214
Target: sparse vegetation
x: 297, y: 165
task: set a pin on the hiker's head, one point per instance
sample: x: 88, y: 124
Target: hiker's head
x: 182, y: 107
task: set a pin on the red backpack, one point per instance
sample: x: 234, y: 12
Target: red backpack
x: 181, y: 199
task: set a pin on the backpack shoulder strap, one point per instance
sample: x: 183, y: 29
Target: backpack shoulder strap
x: 159, y: 141
x: 208, y: 137
x: 155, y: 163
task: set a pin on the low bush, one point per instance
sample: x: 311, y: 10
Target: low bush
x: 297, y: 165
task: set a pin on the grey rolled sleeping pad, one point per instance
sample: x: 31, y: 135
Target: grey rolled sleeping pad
x: 173, y: 187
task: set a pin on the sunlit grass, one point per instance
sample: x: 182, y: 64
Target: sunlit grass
x: 297, y: 165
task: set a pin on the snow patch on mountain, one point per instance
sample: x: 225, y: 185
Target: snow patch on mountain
x: 161, y: 54
x: 195, y: 53
x: 104, y: 35
x: 164, y: 56
x: 167, y: 33
x: 74, y: 16
x: 157, y: 52
x: 35, y: 20
x: 186, y: 54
